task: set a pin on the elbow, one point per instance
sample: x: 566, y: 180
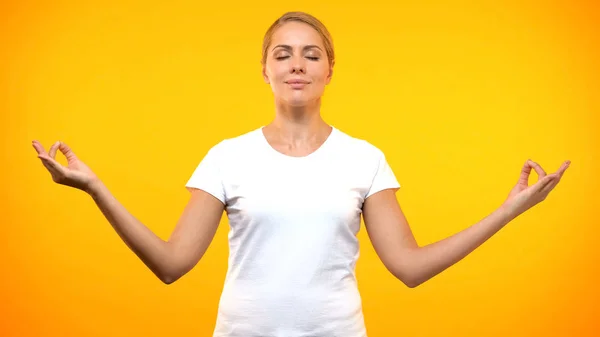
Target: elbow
x: 164, y: 277
x: 407, y: 276
x: 172, y: 270
x: 411, y: 284
x: 408, y: 272
x: 413, y: 279
x: 169, y: 276
x: 173, y: 275
x: 167, y: 280
x: 407, y: 279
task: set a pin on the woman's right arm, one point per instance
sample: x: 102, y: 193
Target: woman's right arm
x: 168, y: 260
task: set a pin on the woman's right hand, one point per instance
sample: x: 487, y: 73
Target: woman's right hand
x: 76, y: 174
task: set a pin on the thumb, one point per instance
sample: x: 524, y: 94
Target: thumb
x: 66, y: 150
x: 52, y: 165
x: 53, y: 148
x: 540, y: 184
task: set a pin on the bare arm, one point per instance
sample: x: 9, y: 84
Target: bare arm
x: 194, y: 232
x: 436, y: 257
x: 396, y: 246
x: 168, y: 260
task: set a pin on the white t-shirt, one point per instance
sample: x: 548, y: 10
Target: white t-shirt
x: 292, y: 238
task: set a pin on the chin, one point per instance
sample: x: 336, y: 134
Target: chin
x: 298, y: 101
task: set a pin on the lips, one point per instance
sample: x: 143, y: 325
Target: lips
x: 297, y: 82
x: 297, y: 85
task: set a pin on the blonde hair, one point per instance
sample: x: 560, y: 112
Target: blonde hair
x: 307, y: 19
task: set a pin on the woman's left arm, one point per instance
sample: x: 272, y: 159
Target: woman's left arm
x: 393, y: 241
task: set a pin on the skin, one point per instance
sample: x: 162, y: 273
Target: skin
x: 298, y: 130
x: 394, y: 243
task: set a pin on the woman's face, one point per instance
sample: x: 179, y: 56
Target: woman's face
x: 297, y: 53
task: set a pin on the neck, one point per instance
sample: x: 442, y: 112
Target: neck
x: 299, y: 124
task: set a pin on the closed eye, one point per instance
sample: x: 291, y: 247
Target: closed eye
x: 308, y: 57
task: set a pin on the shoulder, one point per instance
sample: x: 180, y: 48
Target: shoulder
x: 237, y: 143
x: 233, y: 150
x: 359, y: 146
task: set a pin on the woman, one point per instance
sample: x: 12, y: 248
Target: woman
x: 293, y: 191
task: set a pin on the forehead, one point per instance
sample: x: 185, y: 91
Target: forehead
x: 296, y: 34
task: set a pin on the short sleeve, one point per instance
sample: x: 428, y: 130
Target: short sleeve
x: 383, y: 178
x: 207, y: 175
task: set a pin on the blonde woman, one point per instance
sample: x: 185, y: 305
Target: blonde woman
x: 294, y: 191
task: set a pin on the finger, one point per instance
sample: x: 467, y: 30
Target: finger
x: 538, y: 169
x: 50, y: 168
x: 49, y: 161
x: 563, y: 168
x: 66, y: 150
x: 525, y: 171
x: 550, y: 186
x: 38, y: 147
x: 542, y: 183
x: 52, y: 150
x: 53, y: 166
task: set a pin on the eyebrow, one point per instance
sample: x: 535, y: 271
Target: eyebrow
x: 288, y: 47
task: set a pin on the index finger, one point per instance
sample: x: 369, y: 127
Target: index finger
x: 538, y: 169
x: 38, y: 147
x: 563, y: 168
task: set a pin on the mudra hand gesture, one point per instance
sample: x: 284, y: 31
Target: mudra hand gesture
x: 76, y: 174
x: 522, y: 197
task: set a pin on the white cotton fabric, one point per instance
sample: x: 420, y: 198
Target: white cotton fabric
x: 292, y: 237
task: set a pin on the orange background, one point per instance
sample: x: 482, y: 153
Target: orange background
x: 457, y: 94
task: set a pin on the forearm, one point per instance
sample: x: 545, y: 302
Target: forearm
x: 151, y: 249
x: 432, y: 259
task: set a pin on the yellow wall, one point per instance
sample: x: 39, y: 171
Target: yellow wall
x: 457, y: 94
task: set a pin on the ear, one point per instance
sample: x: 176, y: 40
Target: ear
x: 264, y: 74
x: 328, y: 79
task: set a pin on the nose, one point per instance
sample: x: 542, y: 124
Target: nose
x: 297, y: 65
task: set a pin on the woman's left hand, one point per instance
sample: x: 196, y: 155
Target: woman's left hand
x: 523, y: 197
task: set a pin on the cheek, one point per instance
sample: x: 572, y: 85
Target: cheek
x: 275, y: 72
x: 278, y: 76
x: 320, y: 74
